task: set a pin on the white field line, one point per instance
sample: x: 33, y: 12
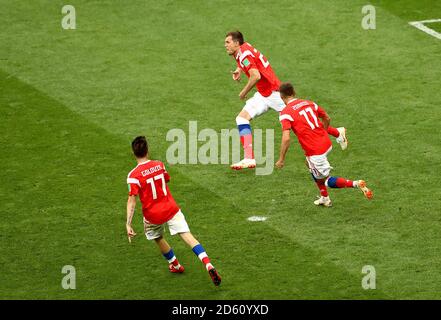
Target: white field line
x: 420, y: 25
x: 256, y: 218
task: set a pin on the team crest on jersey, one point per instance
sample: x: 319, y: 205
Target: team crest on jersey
x: 246, y: 63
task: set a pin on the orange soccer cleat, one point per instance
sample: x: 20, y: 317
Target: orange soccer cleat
x: 366, y: 191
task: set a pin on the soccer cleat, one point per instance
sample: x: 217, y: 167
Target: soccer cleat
x: 215, y: 277
x: 243, y: 164
x: 342, y: 138
x: 366, y: 191
x: 323, y: 201
x: 172, y: 268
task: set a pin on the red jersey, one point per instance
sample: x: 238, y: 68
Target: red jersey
x: 149, y: 181
x: 250, y: 58
x: 302, y: 117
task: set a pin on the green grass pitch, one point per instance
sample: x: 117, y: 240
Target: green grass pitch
x: 72, y: 100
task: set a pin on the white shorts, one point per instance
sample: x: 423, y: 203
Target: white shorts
x: 319, y: 165
x: 177, y: 224
x: 259, y: 104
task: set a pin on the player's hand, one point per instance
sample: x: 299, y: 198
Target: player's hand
x: 280, y: 164
x: 242, y: 95
x: 236, y: 75
x: 130, y: 232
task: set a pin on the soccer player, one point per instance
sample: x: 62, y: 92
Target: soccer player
x: 260, y: 74
x: 302, y: 117
x: 148, y: 180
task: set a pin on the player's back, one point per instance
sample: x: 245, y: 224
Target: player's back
x: 249, y: 57
x: 149, y: 180
x: 302, y: 116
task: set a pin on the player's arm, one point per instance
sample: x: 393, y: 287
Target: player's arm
x: 254, y: 77
x: 324, y: 117
x: 131, y: 204
x: 283, y: 148
x: 236, y: 74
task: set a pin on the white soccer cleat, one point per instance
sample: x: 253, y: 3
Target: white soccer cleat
x: 323, y: 201
x: 342, y: 138
x: 243, y: 164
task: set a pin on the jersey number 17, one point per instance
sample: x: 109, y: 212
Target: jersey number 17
x: 305, y: 115
x: 151, y: 181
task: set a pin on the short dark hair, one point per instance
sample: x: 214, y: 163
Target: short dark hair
x: 287, y: 90
x: 140, y: 147
x: 236, y: 36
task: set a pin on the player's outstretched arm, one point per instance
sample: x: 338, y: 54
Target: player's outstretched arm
x: 283, y: 148
x: 131, y: 204
x: 254, y: 77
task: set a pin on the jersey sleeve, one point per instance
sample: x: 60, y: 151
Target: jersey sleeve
x: 286, y: 120
x: 134, y: 185
x: 166, y: 175
x: 249, y: 63
x: 320, y: 111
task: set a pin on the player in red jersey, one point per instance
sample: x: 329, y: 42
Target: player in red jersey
x: 302, y: 117
x: 148, y: 180
x: 260, y: 74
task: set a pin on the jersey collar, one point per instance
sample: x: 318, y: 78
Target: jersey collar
x: 239, y: 53
x: 291, y: 101
x: 143, y: 162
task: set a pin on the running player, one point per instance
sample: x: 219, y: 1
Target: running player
x: 302, y: 117
x: 148, y: 180
x: 260, y: 74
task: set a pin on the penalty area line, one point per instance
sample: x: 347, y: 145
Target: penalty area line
x: 421, y: 26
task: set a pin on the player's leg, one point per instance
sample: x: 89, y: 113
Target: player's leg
x: 324, y: 199
x: 320, y: 168
x: 178, y: 225
x: 197, y: 248
x: 155, y: 232
x: 174, y: 265
x: 245, y: 133
x: 254, y: 107
x: 200, y: 252
x: 339, y: 182
x: 340, y: 135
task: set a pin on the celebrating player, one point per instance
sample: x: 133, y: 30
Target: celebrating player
x: 149, y: 180
x: 260, y: 74
x: 302, y: 117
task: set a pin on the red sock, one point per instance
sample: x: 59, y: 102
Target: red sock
x: 247, y: 143
x: 333, y: 131
x: 175, y: 262
x: 344, y: 183
x: 322, y: 188
x: 206, y: 260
